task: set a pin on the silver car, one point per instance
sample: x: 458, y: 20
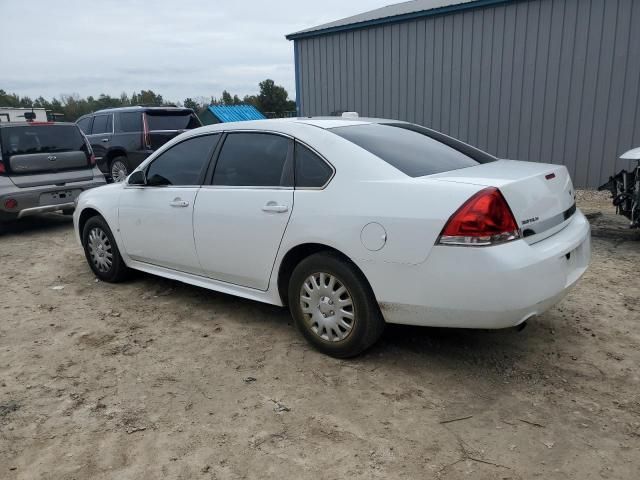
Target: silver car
x: 44, y: 166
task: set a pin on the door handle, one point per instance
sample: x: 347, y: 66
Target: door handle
x: 178, y: 202
x: 273, y: 207
x: 105, y: 140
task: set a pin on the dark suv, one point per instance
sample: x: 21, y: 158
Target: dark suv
x: 122, y: 138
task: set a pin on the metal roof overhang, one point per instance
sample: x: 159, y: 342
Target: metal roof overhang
x: 318, y: 31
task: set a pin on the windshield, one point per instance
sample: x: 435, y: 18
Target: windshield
x: 414, y: 150
x: 21, y: 140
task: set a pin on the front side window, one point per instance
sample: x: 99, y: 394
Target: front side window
x: 311, y: 170
x: 410, y: 148
x: 254, y: 160
x: 184, y: 163
x: 102, y: 124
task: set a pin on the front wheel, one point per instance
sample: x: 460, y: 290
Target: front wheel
x: 333, y: 305
x: 101, y: 251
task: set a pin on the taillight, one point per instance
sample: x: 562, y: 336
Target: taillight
x: 92, y: 157
x: 485, y: 219
x: 10, y: 203
x: 146, y: 140
x: 2, y: 169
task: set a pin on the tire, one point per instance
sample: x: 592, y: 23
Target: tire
x: 6, y: 221
x: 333, y: 305
x: 95, y: 234
x: 119, y: 169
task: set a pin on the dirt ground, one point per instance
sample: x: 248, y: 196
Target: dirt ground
x: 155, y: 379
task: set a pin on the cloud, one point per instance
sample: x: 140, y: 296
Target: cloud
x: 180, y: 49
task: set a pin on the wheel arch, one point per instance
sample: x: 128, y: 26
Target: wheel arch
x: 298, y: 253
x: 115, y: 152
x: 84, y: 217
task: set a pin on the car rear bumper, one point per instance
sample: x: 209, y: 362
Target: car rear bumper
x: 493, y: 287
x: 42, y: 199
x: 45, y: 208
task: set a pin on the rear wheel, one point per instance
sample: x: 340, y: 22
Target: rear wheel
x: 119, y: 169
x: 333, y: 305
x: 102, y: 252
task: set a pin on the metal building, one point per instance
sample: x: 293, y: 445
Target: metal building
x: 541, y: 80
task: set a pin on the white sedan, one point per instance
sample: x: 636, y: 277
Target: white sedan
x: 352, y: 223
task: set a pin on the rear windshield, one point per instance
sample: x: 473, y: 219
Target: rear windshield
x: 172, y: 121
x: 21, y: 140
x: 414, y: 150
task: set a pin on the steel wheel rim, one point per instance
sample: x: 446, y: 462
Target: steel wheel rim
x: 100, y: 249
x: 327, y: 306
x: 118, y: 171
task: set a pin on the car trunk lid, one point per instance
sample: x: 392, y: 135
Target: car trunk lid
x: 540, y: 195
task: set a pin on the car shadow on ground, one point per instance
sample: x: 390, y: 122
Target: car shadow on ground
x: 449, y: 346
x: 36, y: 223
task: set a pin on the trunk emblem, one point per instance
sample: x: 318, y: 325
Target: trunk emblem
x: 550, y: 176
x: 52, y: 158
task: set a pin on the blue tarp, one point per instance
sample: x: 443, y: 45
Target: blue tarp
x: 235, y: 113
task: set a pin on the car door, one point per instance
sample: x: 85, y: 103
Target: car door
x: 239, y: 219
x: 100, y: 137
x: 155, y: 219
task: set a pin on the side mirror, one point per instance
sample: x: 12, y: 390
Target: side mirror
x: 137, y: 178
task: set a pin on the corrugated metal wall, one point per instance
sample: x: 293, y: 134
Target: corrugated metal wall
x: 541, y: 80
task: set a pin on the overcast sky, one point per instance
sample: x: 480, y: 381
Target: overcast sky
x: 178, y: 48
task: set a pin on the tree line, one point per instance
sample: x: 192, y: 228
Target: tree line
x: 271, y: 99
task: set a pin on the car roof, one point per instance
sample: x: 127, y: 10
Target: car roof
x: 141, y: 108
x: 276, y: 124
x: 34, y: 124
x: 334, y: 122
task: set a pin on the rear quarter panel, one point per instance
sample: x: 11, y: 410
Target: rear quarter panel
x: 411, y: 213
x: 366, y: 189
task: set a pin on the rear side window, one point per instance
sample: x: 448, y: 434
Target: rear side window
x: 408, y: 148
x: 129, y: 122
x: 172, y: 121
x: 102, y: 124
x: 311, y: 170
x: 254, y: 160
x: 183, y: 163
x: 25, y: 140
x: 85, y: 125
